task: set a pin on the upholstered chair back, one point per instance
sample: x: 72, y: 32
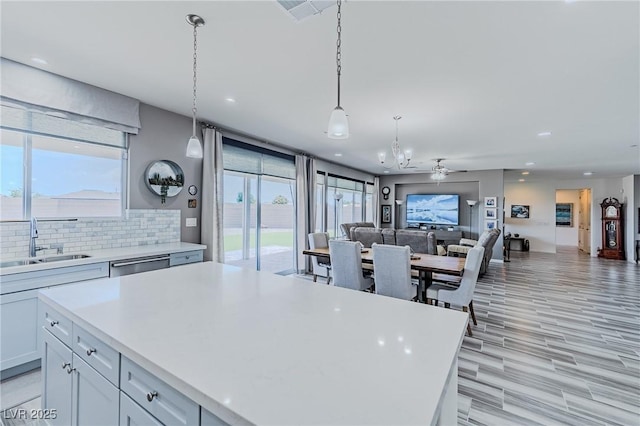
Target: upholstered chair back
x: 392, y: 268
x: 346, y: 264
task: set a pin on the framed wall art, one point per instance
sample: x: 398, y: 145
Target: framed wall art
x: 491, y: 201
x: 386, y: 213
x: 490, y: 214
x: 490, y: 224
x: 519, y: 211
x: 564, y: 214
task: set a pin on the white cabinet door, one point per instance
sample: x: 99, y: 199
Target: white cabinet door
x: 95, y: 400
x: 131, y: 414
x: 56, y: 379
x: 19, y: 324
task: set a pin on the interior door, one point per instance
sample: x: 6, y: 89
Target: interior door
x: 584, y: 221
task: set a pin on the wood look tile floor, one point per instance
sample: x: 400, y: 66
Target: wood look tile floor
x: 557, y: 343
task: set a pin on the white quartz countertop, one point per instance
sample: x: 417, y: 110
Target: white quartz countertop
x: 97, y: 256
x: 254, y: 347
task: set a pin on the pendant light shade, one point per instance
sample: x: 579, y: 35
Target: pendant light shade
x: 194, y: 147
x: 338, y: 124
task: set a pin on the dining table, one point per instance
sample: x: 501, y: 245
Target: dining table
x: 425, y: 264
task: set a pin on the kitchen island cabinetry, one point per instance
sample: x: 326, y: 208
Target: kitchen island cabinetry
x: 78, y: 393
x: 210, y: 343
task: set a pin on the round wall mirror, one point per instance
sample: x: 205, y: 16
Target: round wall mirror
x: 164, y: 178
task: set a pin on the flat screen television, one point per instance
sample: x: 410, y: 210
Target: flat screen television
x: 433, y: 209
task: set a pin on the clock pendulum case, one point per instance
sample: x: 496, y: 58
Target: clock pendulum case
x: 612, y: 229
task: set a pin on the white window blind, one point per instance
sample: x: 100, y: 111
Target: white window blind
x: 240, y: 157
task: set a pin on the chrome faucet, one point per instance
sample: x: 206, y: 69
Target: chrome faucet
x: 33, y: 234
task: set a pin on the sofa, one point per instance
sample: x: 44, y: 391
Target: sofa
x: 420, y: 241
x: 487, y: 240
x: 347, y: 227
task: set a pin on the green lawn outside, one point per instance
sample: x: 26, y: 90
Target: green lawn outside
x: 276, y: 238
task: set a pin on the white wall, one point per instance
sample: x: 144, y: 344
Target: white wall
x: 568, y: 235
x: 630, y: 212
x: 540, y: 195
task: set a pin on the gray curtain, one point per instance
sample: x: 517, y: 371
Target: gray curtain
x: 376, y: 201
x: 212, y: 233
x: 305, y: 208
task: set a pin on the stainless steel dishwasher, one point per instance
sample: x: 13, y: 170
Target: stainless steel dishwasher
x: 119, y: 268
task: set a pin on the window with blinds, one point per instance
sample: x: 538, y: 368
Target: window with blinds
x: 245, y: 158
x: 55, y: 167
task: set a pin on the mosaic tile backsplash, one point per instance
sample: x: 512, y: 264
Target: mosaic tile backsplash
x: 142, y: 227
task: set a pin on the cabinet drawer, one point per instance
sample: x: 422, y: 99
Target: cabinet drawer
x: 58, y: 325
x: 97, y: 354
x: 54, y: 276
x: 185, y: 257
x: 131, y: 414
x: 161, y: 400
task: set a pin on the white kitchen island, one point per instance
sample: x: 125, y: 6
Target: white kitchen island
x: 257, y: 348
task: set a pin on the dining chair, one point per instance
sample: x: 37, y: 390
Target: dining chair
x: 392, y: 268
x: 463, y: 294
x: 321, y: 265
x: 346, y: 265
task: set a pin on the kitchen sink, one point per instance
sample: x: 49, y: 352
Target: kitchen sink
x: 61, y: 257
x: 10, y: 263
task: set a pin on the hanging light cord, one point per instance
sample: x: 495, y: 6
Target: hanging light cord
x: 339, y: 48
x: 194, y: 110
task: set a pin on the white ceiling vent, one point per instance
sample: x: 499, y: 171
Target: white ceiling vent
x: 302, y: 9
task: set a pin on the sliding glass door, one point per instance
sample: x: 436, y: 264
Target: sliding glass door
x: 259, y: 210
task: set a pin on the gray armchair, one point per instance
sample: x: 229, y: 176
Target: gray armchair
x: 487, y: 240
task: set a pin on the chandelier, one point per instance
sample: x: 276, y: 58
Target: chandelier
x: 401, y: 158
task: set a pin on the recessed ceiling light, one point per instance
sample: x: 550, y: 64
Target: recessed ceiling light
x: 337, y: 154
x: 587, y: 173
x: 520, y: 180
x: 230, y: 100
x: 544, y: 134
x: 525, y: 173
x: 39, y: 60
x: 530, y: 163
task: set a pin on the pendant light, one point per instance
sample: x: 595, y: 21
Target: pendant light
x: 338, y: 124
x: 194, y: 147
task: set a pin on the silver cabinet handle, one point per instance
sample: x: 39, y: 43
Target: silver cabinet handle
x: 65, y: 365
x: 70, y: 370
x: 152, y: 395
x: 90, y: 351
x: 54, y: 323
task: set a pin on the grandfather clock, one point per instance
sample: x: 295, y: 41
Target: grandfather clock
x: 612, y: 229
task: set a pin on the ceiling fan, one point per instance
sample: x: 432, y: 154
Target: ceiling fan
x: 439, y: 172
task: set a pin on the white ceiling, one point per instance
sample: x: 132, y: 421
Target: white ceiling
x: 474, y: 81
